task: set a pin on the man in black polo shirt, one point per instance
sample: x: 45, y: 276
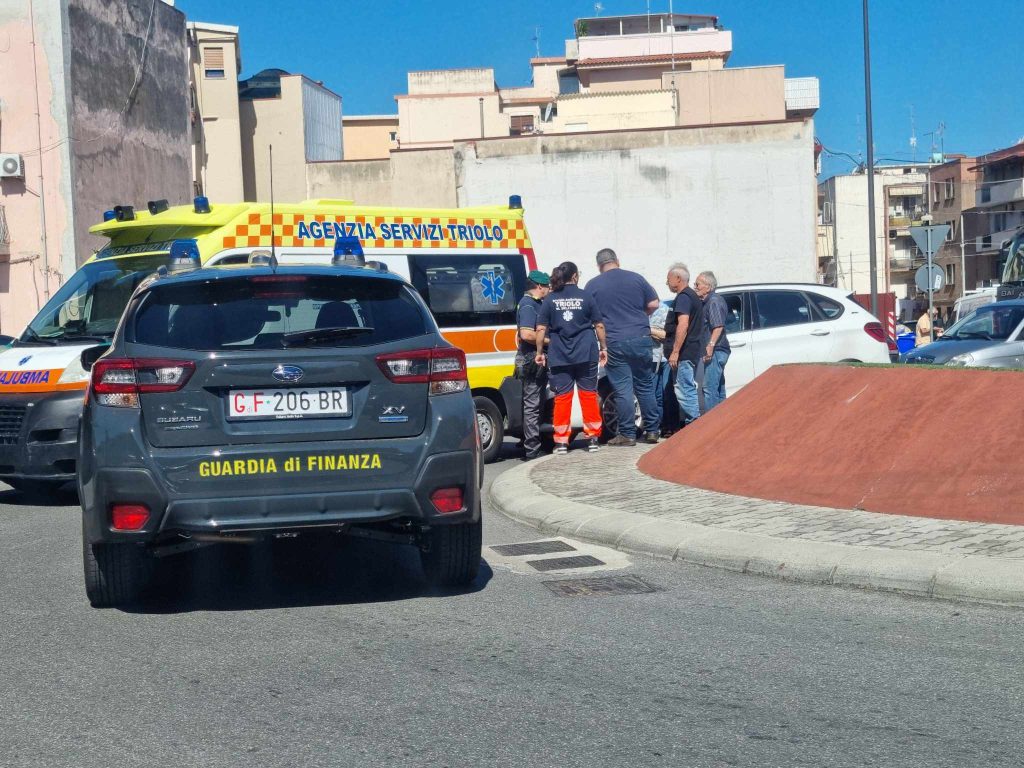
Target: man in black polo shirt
x: 682, y: 340
x: 533, y: 377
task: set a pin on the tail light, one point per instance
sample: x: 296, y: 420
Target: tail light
x: 118, y: 382
x: 447, y: 500
x: 128, y: 517
x: 875, y: 331
x: 443, y: 369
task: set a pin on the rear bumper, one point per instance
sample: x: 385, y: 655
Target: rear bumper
x: 39, y: 435
x: 278, y: 512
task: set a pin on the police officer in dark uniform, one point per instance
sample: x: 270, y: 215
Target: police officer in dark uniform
x: 532, y: 376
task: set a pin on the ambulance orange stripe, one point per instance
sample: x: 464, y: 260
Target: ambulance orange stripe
x: 482, y: 341
x: 44, y: 381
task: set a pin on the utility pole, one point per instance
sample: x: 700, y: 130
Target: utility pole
x: 963, y: 257
x: 872, y: 245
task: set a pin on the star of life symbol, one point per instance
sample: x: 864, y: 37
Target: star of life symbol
x: 567, y: 316
x: 24, y: 360
x: 494, y: 287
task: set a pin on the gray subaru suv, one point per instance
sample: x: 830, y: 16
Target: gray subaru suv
x: 245, y: 402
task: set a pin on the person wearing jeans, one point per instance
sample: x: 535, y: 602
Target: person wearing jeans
x: 682, y: 341
x: 626, y: 300
x: 716, y: 345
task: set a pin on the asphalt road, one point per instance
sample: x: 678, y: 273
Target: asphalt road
x: 340, y: 657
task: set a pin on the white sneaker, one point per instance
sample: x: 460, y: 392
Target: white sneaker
x: 593, y: 446
x: 560, y: 450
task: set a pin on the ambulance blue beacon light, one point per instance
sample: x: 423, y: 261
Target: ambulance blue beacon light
x: 201, y: 204
x: 109, y: 215
x: 348, y: 251
x: 184, y: 255
x: 515, y: 202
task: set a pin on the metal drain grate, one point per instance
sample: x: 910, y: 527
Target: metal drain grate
x: 600, y: 586
x: 533, y: 548
x: 561, y: 563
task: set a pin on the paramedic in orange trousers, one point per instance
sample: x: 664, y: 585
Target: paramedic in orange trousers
x: 570, y: 319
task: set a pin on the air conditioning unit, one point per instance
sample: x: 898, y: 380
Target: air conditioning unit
x: 12, y: 167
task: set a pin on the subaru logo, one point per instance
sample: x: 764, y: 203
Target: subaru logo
x: 288, y: 373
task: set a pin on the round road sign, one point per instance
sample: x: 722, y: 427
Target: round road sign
x: 937, y: 281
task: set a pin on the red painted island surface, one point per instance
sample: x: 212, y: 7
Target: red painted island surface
x: 941, y: 443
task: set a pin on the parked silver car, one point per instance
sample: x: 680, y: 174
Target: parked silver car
x: 992, y: 336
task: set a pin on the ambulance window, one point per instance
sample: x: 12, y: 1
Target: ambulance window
x: 471, y: 289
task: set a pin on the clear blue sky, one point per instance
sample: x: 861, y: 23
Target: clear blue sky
x: 949, y: 61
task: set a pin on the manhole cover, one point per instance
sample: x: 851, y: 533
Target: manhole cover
x: 600, y: 585
x: 561, y: 563
x: 533, y: 548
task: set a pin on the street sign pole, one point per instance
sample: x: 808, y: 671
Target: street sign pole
x: 931, y: 291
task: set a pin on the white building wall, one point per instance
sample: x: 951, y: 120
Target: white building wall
x: 738, y: 200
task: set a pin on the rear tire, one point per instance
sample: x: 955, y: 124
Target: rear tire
x: 491, y: 426
x: 115, y: 574
x: 452, y: 556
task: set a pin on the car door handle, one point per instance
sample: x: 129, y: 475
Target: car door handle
x: 820, y: 332
x: 737, y: 343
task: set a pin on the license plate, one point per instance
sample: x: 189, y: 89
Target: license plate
x: 322, y: 402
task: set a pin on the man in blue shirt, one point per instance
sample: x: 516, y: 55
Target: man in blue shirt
x: 532, y: 376
x: 716, y: 345
x: 626, y: 300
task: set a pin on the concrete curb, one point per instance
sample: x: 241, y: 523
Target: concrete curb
x: 924, y: 574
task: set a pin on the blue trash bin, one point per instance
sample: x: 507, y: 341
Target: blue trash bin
x: 905, y: 342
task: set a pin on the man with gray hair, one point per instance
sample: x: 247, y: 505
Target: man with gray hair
x: 683, y: 331
x: 716, y: 345
x: 626, y: 301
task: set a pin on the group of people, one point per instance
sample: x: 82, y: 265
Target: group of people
x: 651, y: 353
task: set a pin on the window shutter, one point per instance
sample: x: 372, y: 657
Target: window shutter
x: 213, y: 58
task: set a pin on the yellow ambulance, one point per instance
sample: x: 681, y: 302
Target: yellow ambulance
x: 469, y: 264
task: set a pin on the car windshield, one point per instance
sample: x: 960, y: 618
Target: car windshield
x: 989, y: 322
x: 280, y: 311
x: 89, y: 305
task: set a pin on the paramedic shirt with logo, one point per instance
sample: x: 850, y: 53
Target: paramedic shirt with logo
x: 569, y: 315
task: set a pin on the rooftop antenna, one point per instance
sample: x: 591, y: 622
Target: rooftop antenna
x: 598, y: 7
x: 273, y: 229
x: 536, y: 40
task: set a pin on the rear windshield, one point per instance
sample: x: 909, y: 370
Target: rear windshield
x: 280, y: 311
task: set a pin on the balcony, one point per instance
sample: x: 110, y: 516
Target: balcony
x: 906, y: 260
x: 1000, y: 193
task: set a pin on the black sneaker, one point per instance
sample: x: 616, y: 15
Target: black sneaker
x: 531, y: 456
x: 592, y: 445
x: 651, y: 438
x: 621, y: 440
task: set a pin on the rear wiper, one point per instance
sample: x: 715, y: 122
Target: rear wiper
x: 316, y: 335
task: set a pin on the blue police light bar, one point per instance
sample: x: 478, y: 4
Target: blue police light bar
x: 184, y: 255
x: 348, y: 251
x: 201, y: 204
x: 124, y: 213
x: 515, y: 202
x: 109, y: 215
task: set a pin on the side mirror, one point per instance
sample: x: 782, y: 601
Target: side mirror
x: 91, y: 355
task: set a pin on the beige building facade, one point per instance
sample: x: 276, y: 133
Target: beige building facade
x: 618, y: 73
x: 369, y: 137
x: 215, y: 63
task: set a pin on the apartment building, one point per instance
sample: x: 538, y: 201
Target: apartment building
x: 366, y: 137
x: 236, y: 122
x: 999, y: 205
x: 618, y: 73
x: 952, y: 187
x: 843, y: 238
